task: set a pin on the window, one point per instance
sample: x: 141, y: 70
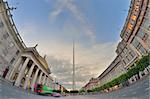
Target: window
x: 6, y: 35
x: 145, y: 37
x: 138, y: 46
x: 135, y: 42
x: 126, y: 60
x: 126, y: 37
x: 133, y: 17
x: 136, y: 8
x: 141, y: 34
x: 121, y: 45
x: 118, y: 51
x: 141, y: 49
x: 148, y: 14
x: 122, y: 54
x: 129, y: 31
x: 130, y: 26
x: 125, y: 50
x: 129, y: 57
x: 5, y: 52
x: 12, y: 61
x: 17, y: 52
x: 120, y: 57
x: 132, y: 53
x: 146, y: 24
x: 11, y: 44
x: 124, y: 63
x: 132, y: 22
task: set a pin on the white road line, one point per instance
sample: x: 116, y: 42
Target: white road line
x: 137, y: 87
x: 134, y: 92
x: 147, y: 88
x: 124, y: 95
x: 132, y: 89
x: 11, y: 98
x: 134, y: 98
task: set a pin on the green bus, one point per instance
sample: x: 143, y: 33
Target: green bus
x: 43, y: 89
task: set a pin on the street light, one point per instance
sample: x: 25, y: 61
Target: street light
x: 27, y: 75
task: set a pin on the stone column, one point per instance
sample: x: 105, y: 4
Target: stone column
x: 39, y: 80
x: 17, y: 64
x: 34, y: 79
x: 47, y: 81
x: 50, y: 83
x: 29, y: 75
x: 140, y: 74
x: 21, y: 73
x: 44, y: 80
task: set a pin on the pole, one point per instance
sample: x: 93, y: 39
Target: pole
x: 55, y: 84
x: 73, y: 86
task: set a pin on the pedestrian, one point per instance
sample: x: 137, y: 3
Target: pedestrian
x: 13, y: 82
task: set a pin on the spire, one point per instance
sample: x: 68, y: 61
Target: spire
x: 73, y: 80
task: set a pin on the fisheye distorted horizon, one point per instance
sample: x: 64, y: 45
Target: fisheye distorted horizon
x: 94, y: 25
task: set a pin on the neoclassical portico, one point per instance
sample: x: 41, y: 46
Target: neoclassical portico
x: 30, y: 69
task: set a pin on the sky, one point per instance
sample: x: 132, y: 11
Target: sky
x: 94, y: 26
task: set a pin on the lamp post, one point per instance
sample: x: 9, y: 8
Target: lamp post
x: 28, y: 84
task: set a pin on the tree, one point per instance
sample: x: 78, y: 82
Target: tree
x: 122, y: 79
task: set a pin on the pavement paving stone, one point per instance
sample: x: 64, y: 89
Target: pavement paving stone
x: 139, y: 90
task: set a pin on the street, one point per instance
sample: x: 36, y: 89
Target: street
x: 139, y: 90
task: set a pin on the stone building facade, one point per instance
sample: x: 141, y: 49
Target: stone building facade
x: 135, y: 41
x: 11, y: 44
x: 19, y: 64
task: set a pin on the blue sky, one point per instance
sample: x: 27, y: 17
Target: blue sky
x: 95, y: 26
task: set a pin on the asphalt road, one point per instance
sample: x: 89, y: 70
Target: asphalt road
x: 139, y: 90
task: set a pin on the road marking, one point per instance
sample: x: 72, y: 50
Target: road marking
x: 131, y: 89
x: 11, y: 98
x: 134, y: 98
x: 147, y: 88
x: 134, y: 92
x: 137, y: 87
x: 124, y: 95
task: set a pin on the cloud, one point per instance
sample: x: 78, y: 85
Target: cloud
x: 74, y: 10
x: 28, y: 32
x: 90, y: 62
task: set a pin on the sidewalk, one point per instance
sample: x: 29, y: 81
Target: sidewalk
x: 5, y: 80
x: 17, y: 88
x: 139, y: 80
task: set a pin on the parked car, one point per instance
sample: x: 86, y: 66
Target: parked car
x: 54, y: 94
